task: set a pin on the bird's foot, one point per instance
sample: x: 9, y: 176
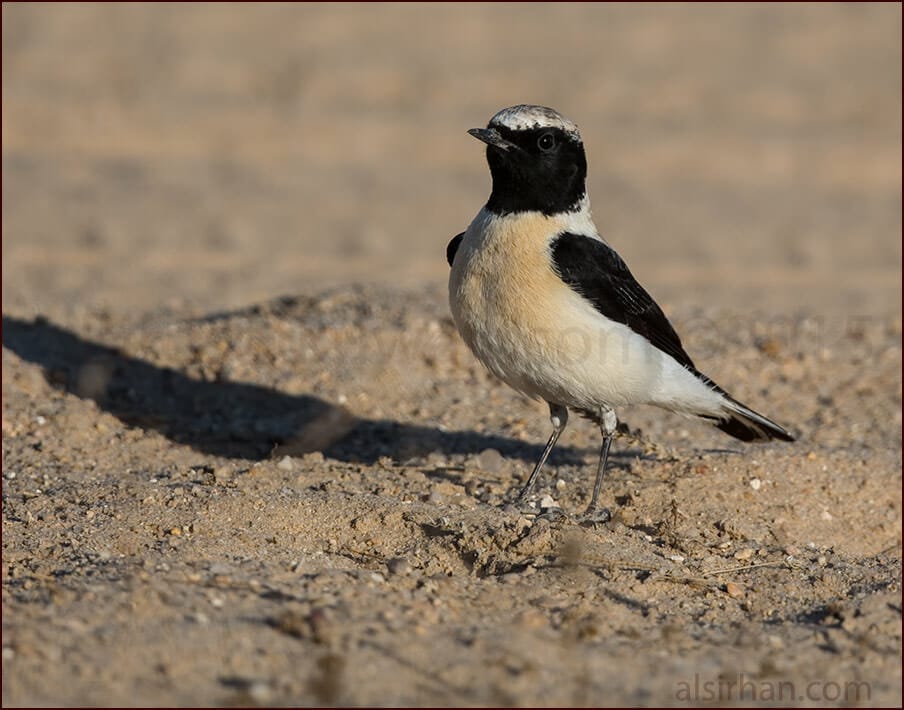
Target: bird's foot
x: 523, y: 506
x: 553, y: 514
x: 596, y: 516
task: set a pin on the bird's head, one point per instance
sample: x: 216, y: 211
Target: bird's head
x: 537, y: 161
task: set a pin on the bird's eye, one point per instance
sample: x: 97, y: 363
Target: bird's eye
x: 546, y: 142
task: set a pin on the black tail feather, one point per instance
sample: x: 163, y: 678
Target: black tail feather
x: 745, y: 424
x: 742, y: 422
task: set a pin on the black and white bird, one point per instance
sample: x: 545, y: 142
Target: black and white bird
x: 551, y: 309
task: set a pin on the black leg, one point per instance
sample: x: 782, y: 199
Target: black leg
x: 608, y: 424
x: 559, y: 417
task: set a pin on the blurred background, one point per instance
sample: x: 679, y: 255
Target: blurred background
x: 211, y: 156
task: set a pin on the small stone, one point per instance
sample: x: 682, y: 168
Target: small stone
x: 332, y: 424
x: 322, y: 628
x: 292, y: 623
x: 398, y: 566
x: 547, y: 502
x: 259, y: 692
x: 560, y: 485
x: 756, y: 483
x: 826, y: 515
x: 531, y: 619
x: 676, y: 558
x: 744, y: 554
x: 490, y: 461
x: 771, y: 347
x: 285, y: 464
x: 734, y: 590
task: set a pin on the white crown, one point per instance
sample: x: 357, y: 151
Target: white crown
x: 525, y: 117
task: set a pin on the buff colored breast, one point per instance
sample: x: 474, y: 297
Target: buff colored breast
x: 541, y: 337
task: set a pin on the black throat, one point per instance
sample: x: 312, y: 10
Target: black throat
x: 530, y: 180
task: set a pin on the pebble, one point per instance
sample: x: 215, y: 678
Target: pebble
x: 260, y: 692
x: 398, y: 566
x: 744, y: 554
x: 285, y: 464
x: 735, y: 591
x: 547, y: 502
x: 490, y: 461
x: 756, y: 484
x: 531, y: 619
x: 322, y: 626
x: 313, y: 457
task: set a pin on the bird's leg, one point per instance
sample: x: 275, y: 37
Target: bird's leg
x: 608, y: 424
x: 558, y: 415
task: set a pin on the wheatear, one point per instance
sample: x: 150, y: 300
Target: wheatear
x: 551, y: 309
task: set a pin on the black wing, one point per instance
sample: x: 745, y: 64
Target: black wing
x: 453, y: 247
x: 593, y: 269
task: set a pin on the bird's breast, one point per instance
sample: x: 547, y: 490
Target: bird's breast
x: 507, y: 301
x: 502, y: 279
x: 536, y: 333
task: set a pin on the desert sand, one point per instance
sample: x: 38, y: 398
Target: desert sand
x: 248, y: 460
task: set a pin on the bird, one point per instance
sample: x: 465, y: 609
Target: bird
x: 551, y: 309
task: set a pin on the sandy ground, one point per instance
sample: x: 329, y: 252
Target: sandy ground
x: 246, y: 457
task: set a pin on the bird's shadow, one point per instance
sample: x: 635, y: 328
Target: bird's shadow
x: 235, y: 419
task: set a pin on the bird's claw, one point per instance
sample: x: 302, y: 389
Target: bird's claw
x: 596, y: 516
